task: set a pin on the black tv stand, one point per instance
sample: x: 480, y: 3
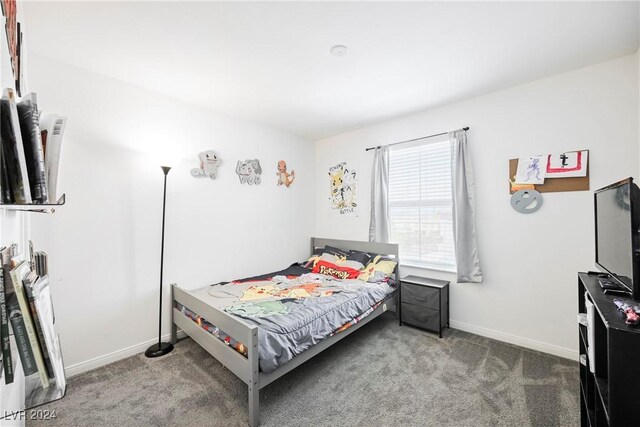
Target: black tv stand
x: 608, y: 396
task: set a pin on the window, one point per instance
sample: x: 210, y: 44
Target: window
x: 420, y: 204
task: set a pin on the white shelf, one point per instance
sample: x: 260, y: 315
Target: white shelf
x: 37, y: 207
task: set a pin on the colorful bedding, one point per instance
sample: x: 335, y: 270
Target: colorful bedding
x: 293, y: 312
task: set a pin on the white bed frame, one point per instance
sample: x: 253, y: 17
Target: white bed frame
x: 246, y: 368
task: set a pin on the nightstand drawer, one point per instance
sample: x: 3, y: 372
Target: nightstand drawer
x: 420, y: 295
x: 421, y: 317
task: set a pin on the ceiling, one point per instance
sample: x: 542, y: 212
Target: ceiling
x: 270, y: 62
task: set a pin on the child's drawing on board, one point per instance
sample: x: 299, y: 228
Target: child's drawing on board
x: 531, y: 170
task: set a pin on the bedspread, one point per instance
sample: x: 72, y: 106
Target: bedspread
x: 294, y: 313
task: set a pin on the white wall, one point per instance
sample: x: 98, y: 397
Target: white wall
x: 529, y: 261
x: 104, y: 244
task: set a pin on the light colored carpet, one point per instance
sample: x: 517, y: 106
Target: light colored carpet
x: 382, y: 374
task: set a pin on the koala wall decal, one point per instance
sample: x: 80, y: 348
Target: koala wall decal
x: 249, y: 171
x: 209, y: 163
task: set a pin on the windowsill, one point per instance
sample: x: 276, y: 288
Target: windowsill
x: 422, y: 267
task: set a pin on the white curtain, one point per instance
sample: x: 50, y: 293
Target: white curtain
x: 464, y: 223
x: 379, y: 225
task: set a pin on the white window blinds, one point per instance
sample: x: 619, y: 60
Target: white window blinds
x: 420, y: 213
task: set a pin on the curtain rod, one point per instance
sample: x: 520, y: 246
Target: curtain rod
x: 415, y: 139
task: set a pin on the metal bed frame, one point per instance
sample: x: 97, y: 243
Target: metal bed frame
x: 246, y: 368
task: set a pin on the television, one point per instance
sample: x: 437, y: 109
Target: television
x: 617, y: 221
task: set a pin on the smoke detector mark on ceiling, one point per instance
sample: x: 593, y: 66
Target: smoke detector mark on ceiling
x: 339, y: 50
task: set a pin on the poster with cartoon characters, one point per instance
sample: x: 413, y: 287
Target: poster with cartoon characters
x: 343, y: 198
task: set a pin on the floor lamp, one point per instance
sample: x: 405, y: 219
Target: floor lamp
x: 161, y: 348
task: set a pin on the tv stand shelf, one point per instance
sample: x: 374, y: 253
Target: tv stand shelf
x: 608, y: 397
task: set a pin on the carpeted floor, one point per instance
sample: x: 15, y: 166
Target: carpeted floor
x: 383, y: 374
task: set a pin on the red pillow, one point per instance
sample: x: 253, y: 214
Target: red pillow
x: 330, y: 269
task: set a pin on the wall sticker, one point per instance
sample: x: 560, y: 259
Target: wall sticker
x: 209, y: 163
x: 249, y: 171
x: 285, y: 178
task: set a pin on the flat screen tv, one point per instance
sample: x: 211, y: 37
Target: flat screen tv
x: 617, y: 219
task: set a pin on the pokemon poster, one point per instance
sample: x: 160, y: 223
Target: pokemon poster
x: 343, y: 182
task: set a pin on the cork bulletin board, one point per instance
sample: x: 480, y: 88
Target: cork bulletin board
x: 553, y: 185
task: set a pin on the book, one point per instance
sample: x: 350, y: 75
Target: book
x: 20, y: 334
x: 39, y: 268
x: 10, y: 154
x: 44, y: 306
x: 2, y: 182
x: 52, y: 129
x: 18, y: 76
x: 7, y: 194
x: 20, y: 272
x: 9, y: 10
x: 41, y: 263
x: 14, y: 148
x: 16, y: 256
x: 29, y: 119
x: 7, y: 255
x: 31, y: 256
x: 5, y: 339
x: 37, y: 264
x: 28, y: 283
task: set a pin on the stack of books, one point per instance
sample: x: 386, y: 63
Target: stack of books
x: 30, y: 152
x: 26, y: 310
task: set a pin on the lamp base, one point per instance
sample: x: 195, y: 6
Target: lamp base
x: 159, y: 350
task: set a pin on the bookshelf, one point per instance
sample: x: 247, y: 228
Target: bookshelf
x: 607, y: 396
x: 39, y: 208
x: 27, y: 392
x: 35, y: 395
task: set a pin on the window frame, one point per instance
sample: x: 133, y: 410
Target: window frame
x: 421, y: 203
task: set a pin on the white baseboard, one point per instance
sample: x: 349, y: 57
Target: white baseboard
x: 564, y: 352
x: 99, y: 361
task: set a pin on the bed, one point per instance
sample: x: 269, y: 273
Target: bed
x: 259, y: 339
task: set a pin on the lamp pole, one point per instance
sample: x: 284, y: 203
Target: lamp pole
x: 160, y: 349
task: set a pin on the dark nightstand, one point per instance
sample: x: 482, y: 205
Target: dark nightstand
x: 424, y: 303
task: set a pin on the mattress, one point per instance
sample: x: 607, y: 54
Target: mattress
x: 294, y: 309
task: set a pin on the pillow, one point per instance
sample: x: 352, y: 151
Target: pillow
x: 339, y: 254
x: 335, y: 251
x: 314, y: 256
x: 341, y: 261
x: 335, y: 259
x: 334, y: 270
x: 378, y: 270
x: 362, y: 257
